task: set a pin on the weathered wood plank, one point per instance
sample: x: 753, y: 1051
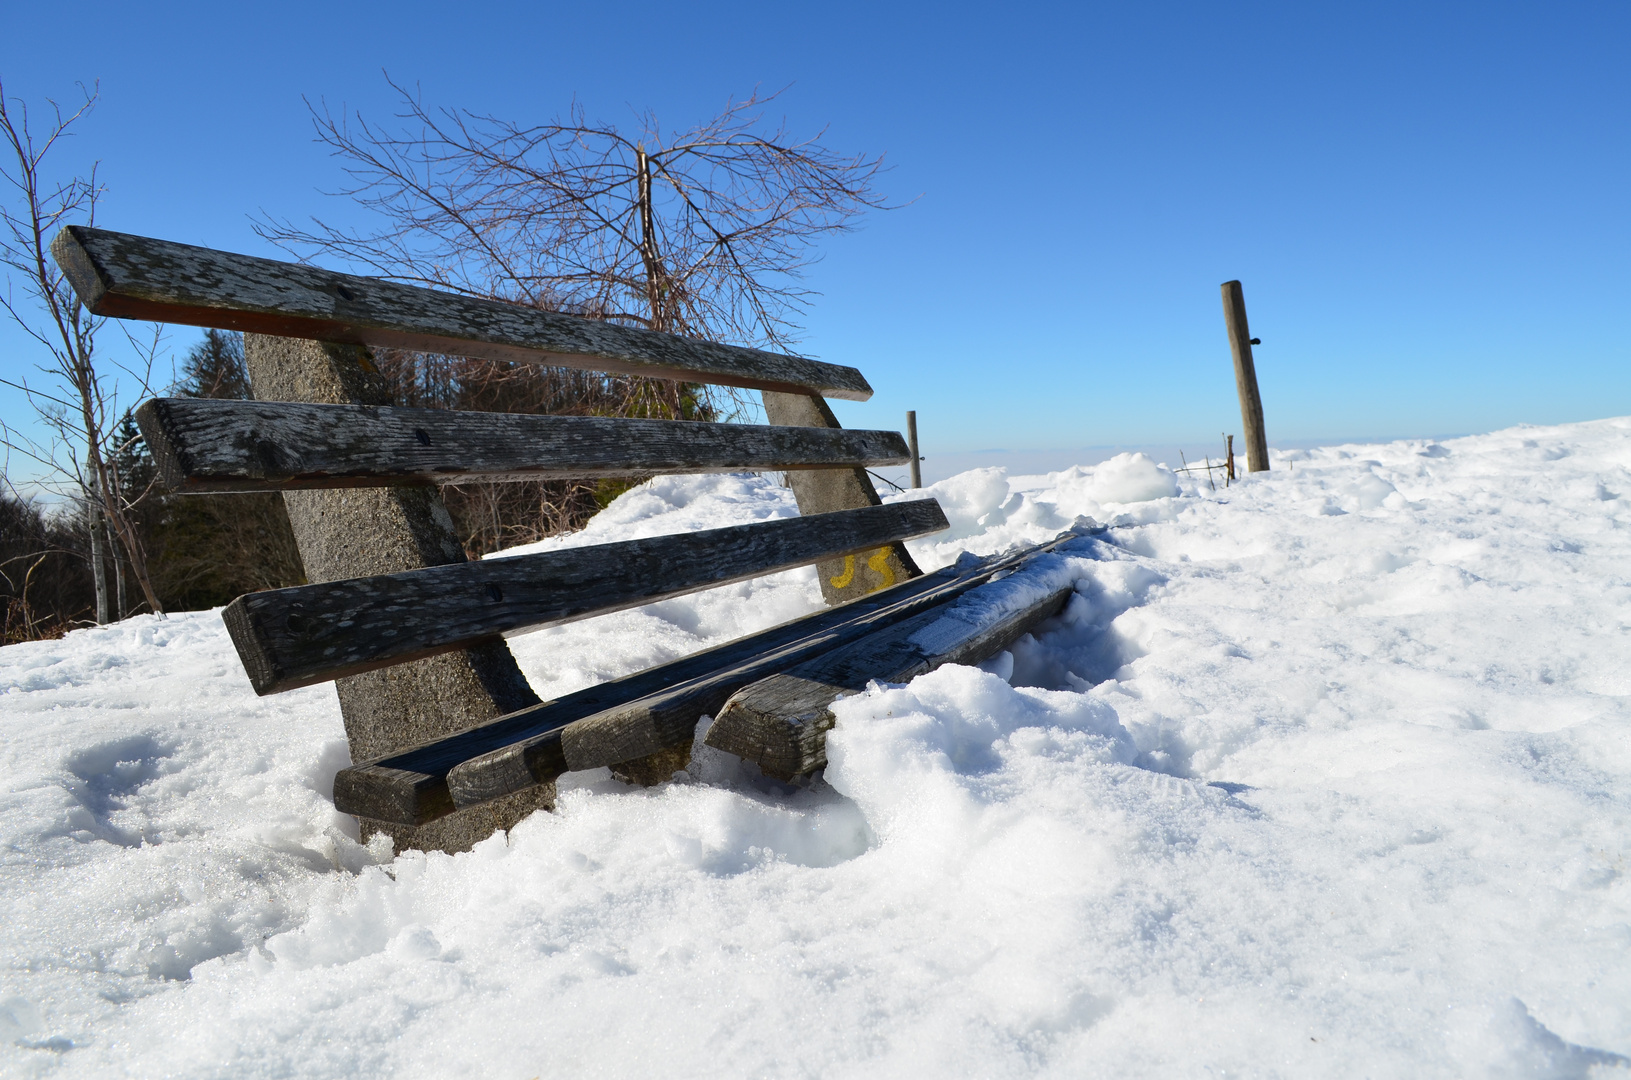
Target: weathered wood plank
x: 202, y: 445
x: 628, y: 718
x: 135, y: 277
x: 781, y: 722
x: 295, y: 637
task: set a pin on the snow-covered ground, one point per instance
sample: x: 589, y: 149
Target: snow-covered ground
x: 1328, y: 773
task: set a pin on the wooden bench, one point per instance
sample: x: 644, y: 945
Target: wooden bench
x: 448, y: 739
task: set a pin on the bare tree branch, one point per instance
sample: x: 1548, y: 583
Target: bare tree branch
x: 705, y: 231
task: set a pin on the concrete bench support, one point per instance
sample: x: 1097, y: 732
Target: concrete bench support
x: 821, y: 491
x: 365, y: 531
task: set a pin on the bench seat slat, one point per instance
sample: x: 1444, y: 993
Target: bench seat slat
x: 203, y: 445
x: 647, y: 711
x: 135, y: 277
x: 668, y: 718
x: 295, y: 637
x: 409, y: 786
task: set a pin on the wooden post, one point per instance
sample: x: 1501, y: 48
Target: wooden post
x: 360, y: 532
x: 820, y: 491
x: 1229, y: 456
x: 911, y: 444
x: 1251, y: 405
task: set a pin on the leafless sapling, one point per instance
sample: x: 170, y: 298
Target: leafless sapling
x: 77, y: 404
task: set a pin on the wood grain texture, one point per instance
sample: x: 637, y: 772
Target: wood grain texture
x: 1251, y: 402
x: 204, y: 445
x: 135, y: 277
x: 629, y: 718
x: 668, y: 718
x: 295, y: 637
x: 781, y: 722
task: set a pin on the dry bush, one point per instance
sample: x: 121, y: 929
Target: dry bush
x: 45, y: 580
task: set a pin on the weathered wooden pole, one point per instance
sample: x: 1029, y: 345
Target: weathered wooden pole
x: 911, y: 444
x: 1251, y: 404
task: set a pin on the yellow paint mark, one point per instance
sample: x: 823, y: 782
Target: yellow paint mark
x: 880, y: 563
x: 842, y: 580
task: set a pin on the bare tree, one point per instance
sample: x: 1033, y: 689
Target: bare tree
x: 703, y: 232
x: 79, y: 403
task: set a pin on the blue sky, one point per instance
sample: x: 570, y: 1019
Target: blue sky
x: 1429, y: 204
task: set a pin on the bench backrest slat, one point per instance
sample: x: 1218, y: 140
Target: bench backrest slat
x: 308, y: 634
x: 201, y: 445
x: 135, y: 277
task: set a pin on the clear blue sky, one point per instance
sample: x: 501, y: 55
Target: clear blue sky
x: 1429, y: 204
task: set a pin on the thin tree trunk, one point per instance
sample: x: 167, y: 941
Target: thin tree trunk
x: 99, y: 570
x: 648, y: 245
x: 76, y: 329
x: 118, y: 524
x: 658, y: 292
x: 123, y: 608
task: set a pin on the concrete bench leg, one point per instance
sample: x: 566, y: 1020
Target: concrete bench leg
x: 359, y: 532
x: 820, y: 491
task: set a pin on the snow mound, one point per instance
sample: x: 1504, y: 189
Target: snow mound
x: 988, y: 511
x: 1323, y: 773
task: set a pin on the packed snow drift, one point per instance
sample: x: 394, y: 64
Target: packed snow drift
x: 1325, y: 773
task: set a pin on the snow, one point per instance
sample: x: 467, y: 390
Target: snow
x: 1325, y: 773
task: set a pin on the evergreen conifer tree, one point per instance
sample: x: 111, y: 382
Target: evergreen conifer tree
x: 214, y: 368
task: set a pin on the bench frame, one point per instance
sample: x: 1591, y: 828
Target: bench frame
x: 358, y: 478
